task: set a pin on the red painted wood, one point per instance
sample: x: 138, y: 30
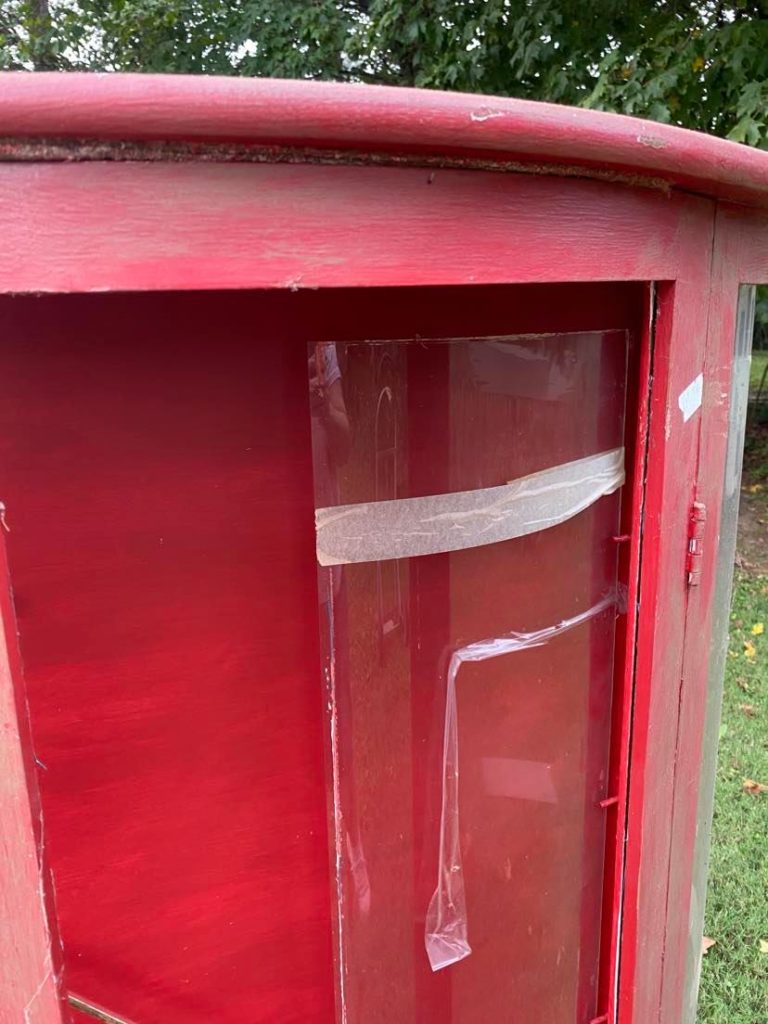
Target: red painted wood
x: 163, y: 562
x: 742, y: 234
x: 630, y: 543
x: 121, y: 227
x: 678, y: 357
x: 367, y: 119
x: 28, y: 959
x: 740, y: 255
x: 695, y: 674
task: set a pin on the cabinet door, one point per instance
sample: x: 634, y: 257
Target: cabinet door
x: 468, y: 644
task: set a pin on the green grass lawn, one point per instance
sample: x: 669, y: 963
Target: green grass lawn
x: 759, y: 360
x: 734, y: 985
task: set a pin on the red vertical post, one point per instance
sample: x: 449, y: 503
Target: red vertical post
x: 29, y: 966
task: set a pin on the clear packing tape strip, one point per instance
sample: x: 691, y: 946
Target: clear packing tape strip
x: 445, y: 933
x: 407, y: 527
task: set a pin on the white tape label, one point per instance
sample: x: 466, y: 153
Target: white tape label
x: 406, y: 527
x: 690, y: 399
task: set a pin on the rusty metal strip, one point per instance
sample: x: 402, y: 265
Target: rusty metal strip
x: 39, y: 150
x: 84, y: 1006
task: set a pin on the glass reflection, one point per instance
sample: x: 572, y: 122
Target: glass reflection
x: 406, y: 419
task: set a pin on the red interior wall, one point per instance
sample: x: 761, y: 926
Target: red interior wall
x: 157, y: 471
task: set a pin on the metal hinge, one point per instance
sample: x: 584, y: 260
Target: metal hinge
x: 696, y: 523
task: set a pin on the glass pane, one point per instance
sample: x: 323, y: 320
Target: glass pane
x: 502, y: 789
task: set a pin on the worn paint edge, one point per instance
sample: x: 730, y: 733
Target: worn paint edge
x: 14, y: 150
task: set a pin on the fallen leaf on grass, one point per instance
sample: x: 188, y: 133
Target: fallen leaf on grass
x: 754, y: 488
x: 707, y: 944
x: 748, y: 709
x: 750, y: 651
x: 764, y: 945
x: 754, y: 788
x: 757, y: 629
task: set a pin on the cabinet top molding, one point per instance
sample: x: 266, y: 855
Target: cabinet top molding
x: 50, y: 116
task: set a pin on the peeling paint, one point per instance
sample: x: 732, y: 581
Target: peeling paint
x: 486, y: 114
x: 652, y: 140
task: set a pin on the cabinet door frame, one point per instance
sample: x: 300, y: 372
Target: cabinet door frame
x: 133, y: 225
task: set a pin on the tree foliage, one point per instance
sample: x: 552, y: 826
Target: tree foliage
x: 701, y: 63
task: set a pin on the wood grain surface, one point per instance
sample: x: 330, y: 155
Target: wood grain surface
x: 156, y: 465
x: 384, y: 120
x: 156, y: 226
